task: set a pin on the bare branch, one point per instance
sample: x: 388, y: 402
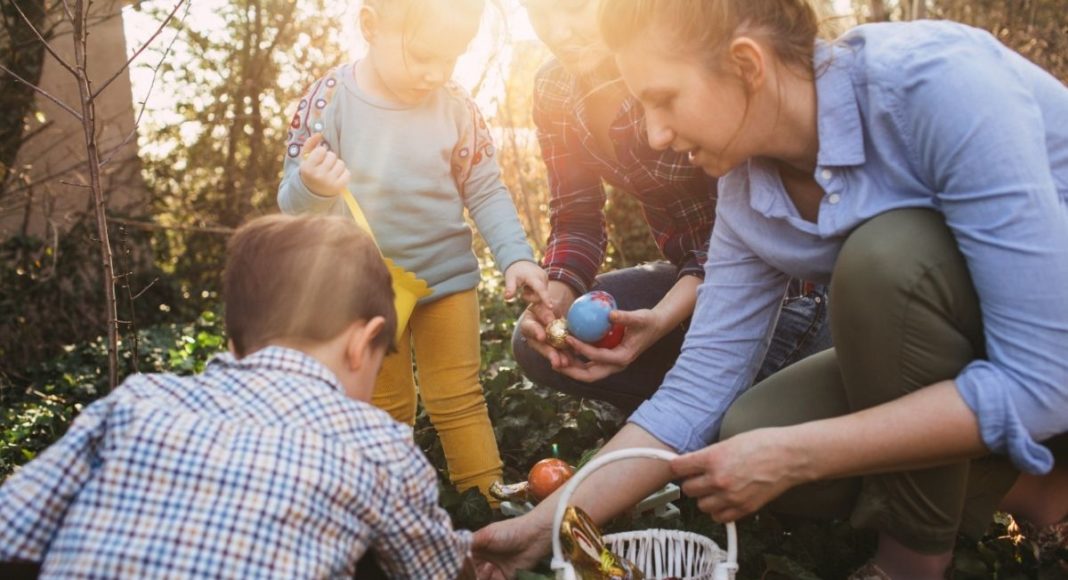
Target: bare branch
x: 150, y: 227
x: 66, y: 7
x: 140, y: 50
x: 148, y: 93
x: 145, y: 289
x: 47, y: 46
x: 43, y: 92
x: 38, y: 131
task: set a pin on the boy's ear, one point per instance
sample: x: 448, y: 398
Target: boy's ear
x: 747, y: 58
x: 369, y: 23
x: 361, y: 341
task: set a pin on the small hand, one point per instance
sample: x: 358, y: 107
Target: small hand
x: 736, y: 477
x: 321, y: 170
x: 642, y: 330
x: 502, y: 548
x: 531, y: 279
x: 532, y: 325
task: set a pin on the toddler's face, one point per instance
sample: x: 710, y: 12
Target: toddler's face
x: 414, y: 62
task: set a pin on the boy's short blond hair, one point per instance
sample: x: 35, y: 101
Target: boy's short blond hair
x: 303, y: 279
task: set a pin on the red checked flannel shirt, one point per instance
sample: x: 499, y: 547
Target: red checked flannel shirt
x: 678, y: 200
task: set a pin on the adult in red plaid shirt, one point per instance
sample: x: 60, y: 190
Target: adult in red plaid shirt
x: 592, y: 133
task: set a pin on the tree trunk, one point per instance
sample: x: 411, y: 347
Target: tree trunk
x: 919, y: 9
x: 878, y: 11
x: 24, y: 55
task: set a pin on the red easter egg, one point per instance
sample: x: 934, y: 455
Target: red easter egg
x: 613, y: 338
x: 547, y: 476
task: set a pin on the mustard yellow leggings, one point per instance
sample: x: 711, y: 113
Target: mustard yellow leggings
x: 445, y: 335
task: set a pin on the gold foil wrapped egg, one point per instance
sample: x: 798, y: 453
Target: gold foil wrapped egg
x: 557, y: 331
x: 586, y: 549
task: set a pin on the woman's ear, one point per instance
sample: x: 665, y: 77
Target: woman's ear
x: 748, y: 59
x: 369, y: 24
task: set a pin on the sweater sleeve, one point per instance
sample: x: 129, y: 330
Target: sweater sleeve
x: 487, y: 199
x: 316, y: 113
x: 578, y: 227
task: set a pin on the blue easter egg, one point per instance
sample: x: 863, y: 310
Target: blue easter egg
x: 587, y: 319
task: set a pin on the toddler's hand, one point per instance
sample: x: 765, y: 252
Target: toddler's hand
x: 532, y: 281
x: 322, y: 171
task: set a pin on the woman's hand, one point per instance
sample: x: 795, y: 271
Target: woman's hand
x: 642, y: 329
x: 530, y: 280
x: 502, y: 548
x: 321, y: 170
x: 736, y: 477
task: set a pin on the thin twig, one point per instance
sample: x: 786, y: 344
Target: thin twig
x: 47, y: 46
x: 66, y: 7
x: 148, y: 93
x: 124, y: 252
x: 145, y: 289
x: 139, y: 50
x: 151, y: 226
x: 43, y: 92
x: 44, y: 127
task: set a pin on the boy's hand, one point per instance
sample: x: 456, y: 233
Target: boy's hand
x: 531, y: 279
x: 505, y: 547
x: 321, y: 170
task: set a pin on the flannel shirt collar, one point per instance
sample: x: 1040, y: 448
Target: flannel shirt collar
x: 278, y: 358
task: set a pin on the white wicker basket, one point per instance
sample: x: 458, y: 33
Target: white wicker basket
x: 657, y: 553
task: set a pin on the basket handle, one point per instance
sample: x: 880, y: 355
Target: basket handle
x: 722, y: 571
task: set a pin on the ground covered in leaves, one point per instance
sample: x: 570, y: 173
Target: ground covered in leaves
x: 528, y: 421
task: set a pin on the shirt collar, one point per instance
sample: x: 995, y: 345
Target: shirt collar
x: 841, y: 132
x: 278, y: 358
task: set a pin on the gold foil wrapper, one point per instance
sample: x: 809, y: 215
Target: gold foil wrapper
x: 557, y: 331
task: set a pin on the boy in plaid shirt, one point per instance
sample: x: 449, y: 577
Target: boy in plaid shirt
x: 269, y: 463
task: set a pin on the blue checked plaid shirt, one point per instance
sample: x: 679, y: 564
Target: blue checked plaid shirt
x: 257, y: 467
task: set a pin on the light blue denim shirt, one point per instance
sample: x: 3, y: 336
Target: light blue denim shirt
x: 920, y: 115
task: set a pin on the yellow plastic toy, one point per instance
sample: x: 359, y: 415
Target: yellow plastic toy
x: 407, y: 289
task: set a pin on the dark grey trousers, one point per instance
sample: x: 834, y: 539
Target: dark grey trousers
x: 801, y: 331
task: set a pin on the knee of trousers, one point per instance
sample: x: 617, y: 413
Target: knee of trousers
x: 883, y: 260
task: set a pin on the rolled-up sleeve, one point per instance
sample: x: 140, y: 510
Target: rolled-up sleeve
x: 737, y: 307
x: 980, y: 141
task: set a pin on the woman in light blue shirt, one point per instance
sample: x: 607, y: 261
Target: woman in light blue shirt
x: 922, y: 170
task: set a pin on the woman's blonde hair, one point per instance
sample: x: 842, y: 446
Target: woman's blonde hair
x: 706, y: 27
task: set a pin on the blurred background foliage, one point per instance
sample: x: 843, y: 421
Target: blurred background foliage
x: 212, y: 160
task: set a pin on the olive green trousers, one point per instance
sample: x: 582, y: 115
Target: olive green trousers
x: 904, y: 315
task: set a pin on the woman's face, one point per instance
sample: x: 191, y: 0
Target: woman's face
x: 569, y: 28
x: 692, y: 109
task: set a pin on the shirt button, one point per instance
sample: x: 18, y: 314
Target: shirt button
x: 834, y: 198
x: 826, y: 174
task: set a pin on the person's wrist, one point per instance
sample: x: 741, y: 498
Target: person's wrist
x: 806, y: 468
x: 661, y: 324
